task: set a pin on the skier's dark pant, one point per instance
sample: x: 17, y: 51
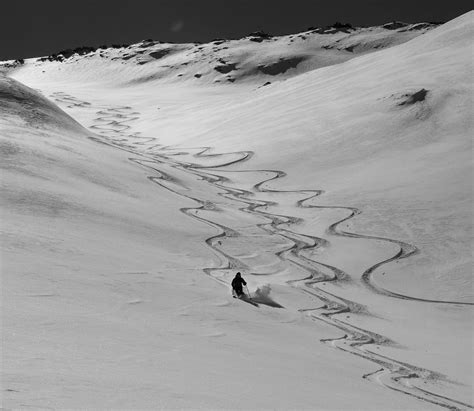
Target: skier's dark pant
x: 238, y: 291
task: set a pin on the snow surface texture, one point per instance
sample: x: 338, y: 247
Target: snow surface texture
x: 342, y: 191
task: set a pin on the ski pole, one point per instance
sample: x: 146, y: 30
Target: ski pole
x: 248, y: 292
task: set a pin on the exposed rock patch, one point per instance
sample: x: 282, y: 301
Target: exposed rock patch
x: 281, y: 66
x: 394, y: 25
x: 226, y: 68
x: 160, y: 53
x: 259, y: 36
x: 414, y: 98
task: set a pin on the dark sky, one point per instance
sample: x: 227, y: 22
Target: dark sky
x: 30, y: 28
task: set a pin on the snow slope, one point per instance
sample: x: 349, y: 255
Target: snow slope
x: 258, y: 58
x: 104, y: 303
x: 346, y: 187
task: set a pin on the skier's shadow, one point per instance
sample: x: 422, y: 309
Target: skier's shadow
x: 260, y: 297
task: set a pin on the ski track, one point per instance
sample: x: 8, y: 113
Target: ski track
x: 392, y: 374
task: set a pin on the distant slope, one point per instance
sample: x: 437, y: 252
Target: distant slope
x: 258, y: 57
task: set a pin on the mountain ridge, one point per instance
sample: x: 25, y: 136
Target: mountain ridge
x: 256, y: 57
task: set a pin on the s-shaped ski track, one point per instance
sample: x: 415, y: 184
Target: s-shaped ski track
x: 392, y: 374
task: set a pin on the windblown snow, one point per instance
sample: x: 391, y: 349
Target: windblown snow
x: 332, y: 168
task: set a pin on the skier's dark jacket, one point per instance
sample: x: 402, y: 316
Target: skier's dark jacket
x: 237, y: 284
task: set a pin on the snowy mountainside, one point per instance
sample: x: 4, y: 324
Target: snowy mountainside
x: 102, y: 286
x: 258, y: 57
x: 342, y: 193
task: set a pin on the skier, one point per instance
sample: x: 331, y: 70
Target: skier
x: 237, y: 285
